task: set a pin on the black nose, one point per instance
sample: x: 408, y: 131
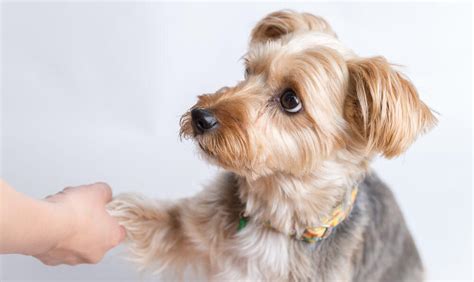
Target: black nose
x: 203, y: 120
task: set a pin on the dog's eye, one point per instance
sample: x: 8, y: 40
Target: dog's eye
x: 290, y: 102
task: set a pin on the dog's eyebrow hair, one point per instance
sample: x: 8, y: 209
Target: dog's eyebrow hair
x: 261, y: 112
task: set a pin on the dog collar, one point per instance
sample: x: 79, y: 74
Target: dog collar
x: 312, y: 234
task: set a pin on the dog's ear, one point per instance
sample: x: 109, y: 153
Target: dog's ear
x: 280, y: 23
x: 383, y: 107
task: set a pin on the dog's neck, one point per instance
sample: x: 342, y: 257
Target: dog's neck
x: 292, y: 203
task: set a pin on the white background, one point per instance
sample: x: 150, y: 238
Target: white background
x: 94, y: 91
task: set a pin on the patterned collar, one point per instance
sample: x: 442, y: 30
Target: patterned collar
x: 314, y: 234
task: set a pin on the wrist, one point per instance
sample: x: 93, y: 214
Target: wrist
x: 57, y: 226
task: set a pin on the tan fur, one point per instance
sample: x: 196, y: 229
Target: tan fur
x: 388, y: 112
x: 285, y: 22
x: 290, y: 169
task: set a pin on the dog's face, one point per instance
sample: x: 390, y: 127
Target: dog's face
x: 305, y: 97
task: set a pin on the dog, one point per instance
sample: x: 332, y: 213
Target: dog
x: 298, y: 200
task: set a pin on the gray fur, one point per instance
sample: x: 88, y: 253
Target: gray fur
x: 374, y: 240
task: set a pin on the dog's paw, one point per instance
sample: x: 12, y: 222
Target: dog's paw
x: 138, y: 214
x: 125, y: 206
x: 147, y: 224
x: 134, y: 212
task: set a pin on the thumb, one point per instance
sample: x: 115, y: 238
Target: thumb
x: 104, y: 190
x: 118, y: 235
x: 123, y: 233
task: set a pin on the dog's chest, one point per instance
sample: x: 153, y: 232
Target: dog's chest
x: 257, y: 252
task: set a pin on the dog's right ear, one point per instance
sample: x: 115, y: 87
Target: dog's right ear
x: 383, y: 107
x: 280, y: 23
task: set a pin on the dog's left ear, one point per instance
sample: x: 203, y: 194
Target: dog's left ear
x: 383, y: 107
x: 280, y: 23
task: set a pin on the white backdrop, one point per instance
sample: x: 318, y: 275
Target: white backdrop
x: 94, y: 91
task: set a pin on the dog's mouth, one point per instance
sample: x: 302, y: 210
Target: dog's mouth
x: 209, y: 153
x: 202, y: 148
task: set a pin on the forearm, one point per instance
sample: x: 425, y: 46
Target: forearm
x: 156, y: 230
x: 29, y: 226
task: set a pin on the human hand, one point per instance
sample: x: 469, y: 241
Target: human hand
x: 88, y: 231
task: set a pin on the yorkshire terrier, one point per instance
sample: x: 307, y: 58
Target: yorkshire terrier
x: 296, y: 137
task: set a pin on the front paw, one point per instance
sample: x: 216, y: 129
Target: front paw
x: 134, y: 212
x: 126, y: 207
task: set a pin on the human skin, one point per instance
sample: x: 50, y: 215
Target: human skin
x: 70, y: 227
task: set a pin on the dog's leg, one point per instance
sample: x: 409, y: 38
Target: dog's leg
x: 156, y: 232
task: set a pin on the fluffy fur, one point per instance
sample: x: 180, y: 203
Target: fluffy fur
x: 291, y: 169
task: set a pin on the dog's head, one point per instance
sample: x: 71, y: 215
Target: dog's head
x: 304, y: 98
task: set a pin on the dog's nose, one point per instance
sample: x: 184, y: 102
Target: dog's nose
x: 203, y: 120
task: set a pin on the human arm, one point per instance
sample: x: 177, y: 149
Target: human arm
x: 69, y: 227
